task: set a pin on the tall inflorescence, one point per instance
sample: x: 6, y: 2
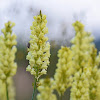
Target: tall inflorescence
x: 46, y: 90
x: 39, y: 50
x: 11, y: 89
x: 81, y: 47
x: 94, y: 61
x: 64, y: 70
x: 7, y: 52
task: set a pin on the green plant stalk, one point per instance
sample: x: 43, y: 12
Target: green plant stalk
x: 60, y: 97
x: 7, y: 91
x: 34, y: 90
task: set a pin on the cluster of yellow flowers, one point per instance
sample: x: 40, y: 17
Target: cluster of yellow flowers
x: 63, y: 78
x: 80, y: 48
x: 86, y: 78
x: 46, y: 90
x: 80, y: 87
x: 7, y: 65
x: 7, y: 52
x: 82, y: 43
x: 94, y: 81
x: 39, y: 50
x: 11, y: 90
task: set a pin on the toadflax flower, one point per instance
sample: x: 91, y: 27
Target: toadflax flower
x: 81, y: 46
x: 11, y: 90
x: 39, y: 50
x: 7, y: 52
x: 94, y: 80
x: 64, y: 70
x: 46, y: 90
x: 82, y: 43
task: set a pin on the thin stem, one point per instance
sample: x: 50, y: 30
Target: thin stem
x: 7, y: 91
x: 34, y: 90
x: 60, y: 98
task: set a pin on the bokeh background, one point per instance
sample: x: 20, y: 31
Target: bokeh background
x: 60, y: 15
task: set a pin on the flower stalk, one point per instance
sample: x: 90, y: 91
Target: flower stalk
x: 34, y: 89
x: 39, y: 50
x: 60, y: 97
x: 7, y: 91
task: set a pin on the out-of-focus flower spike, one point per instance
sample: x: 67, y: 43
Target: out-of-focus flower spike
x: 64, y: 70
x: 46, y: 90
x: 7, y: 52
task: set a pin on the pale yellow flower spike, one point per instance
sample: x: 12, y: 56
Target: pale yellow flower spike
x: 64, y: 70
x: 39, y: 50
x: 7, y: 52
x: 94, y: 80
x: 11, y: 90
x: 81, y: 48
x: 86, y: 64
x: 46, y: 90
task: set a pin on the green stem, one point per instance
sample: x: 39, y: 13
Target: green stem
x: 7, y: 91
x: 34, y: 90
x: 61, y: 97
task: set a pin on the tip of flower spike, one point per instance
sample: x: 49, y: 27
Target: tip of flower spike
x: 8, y: 27
x: 78, y: 26
x: 39, y: 17
x: 65, y: 48
x: 42, y: 16
x: 40, y: 12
